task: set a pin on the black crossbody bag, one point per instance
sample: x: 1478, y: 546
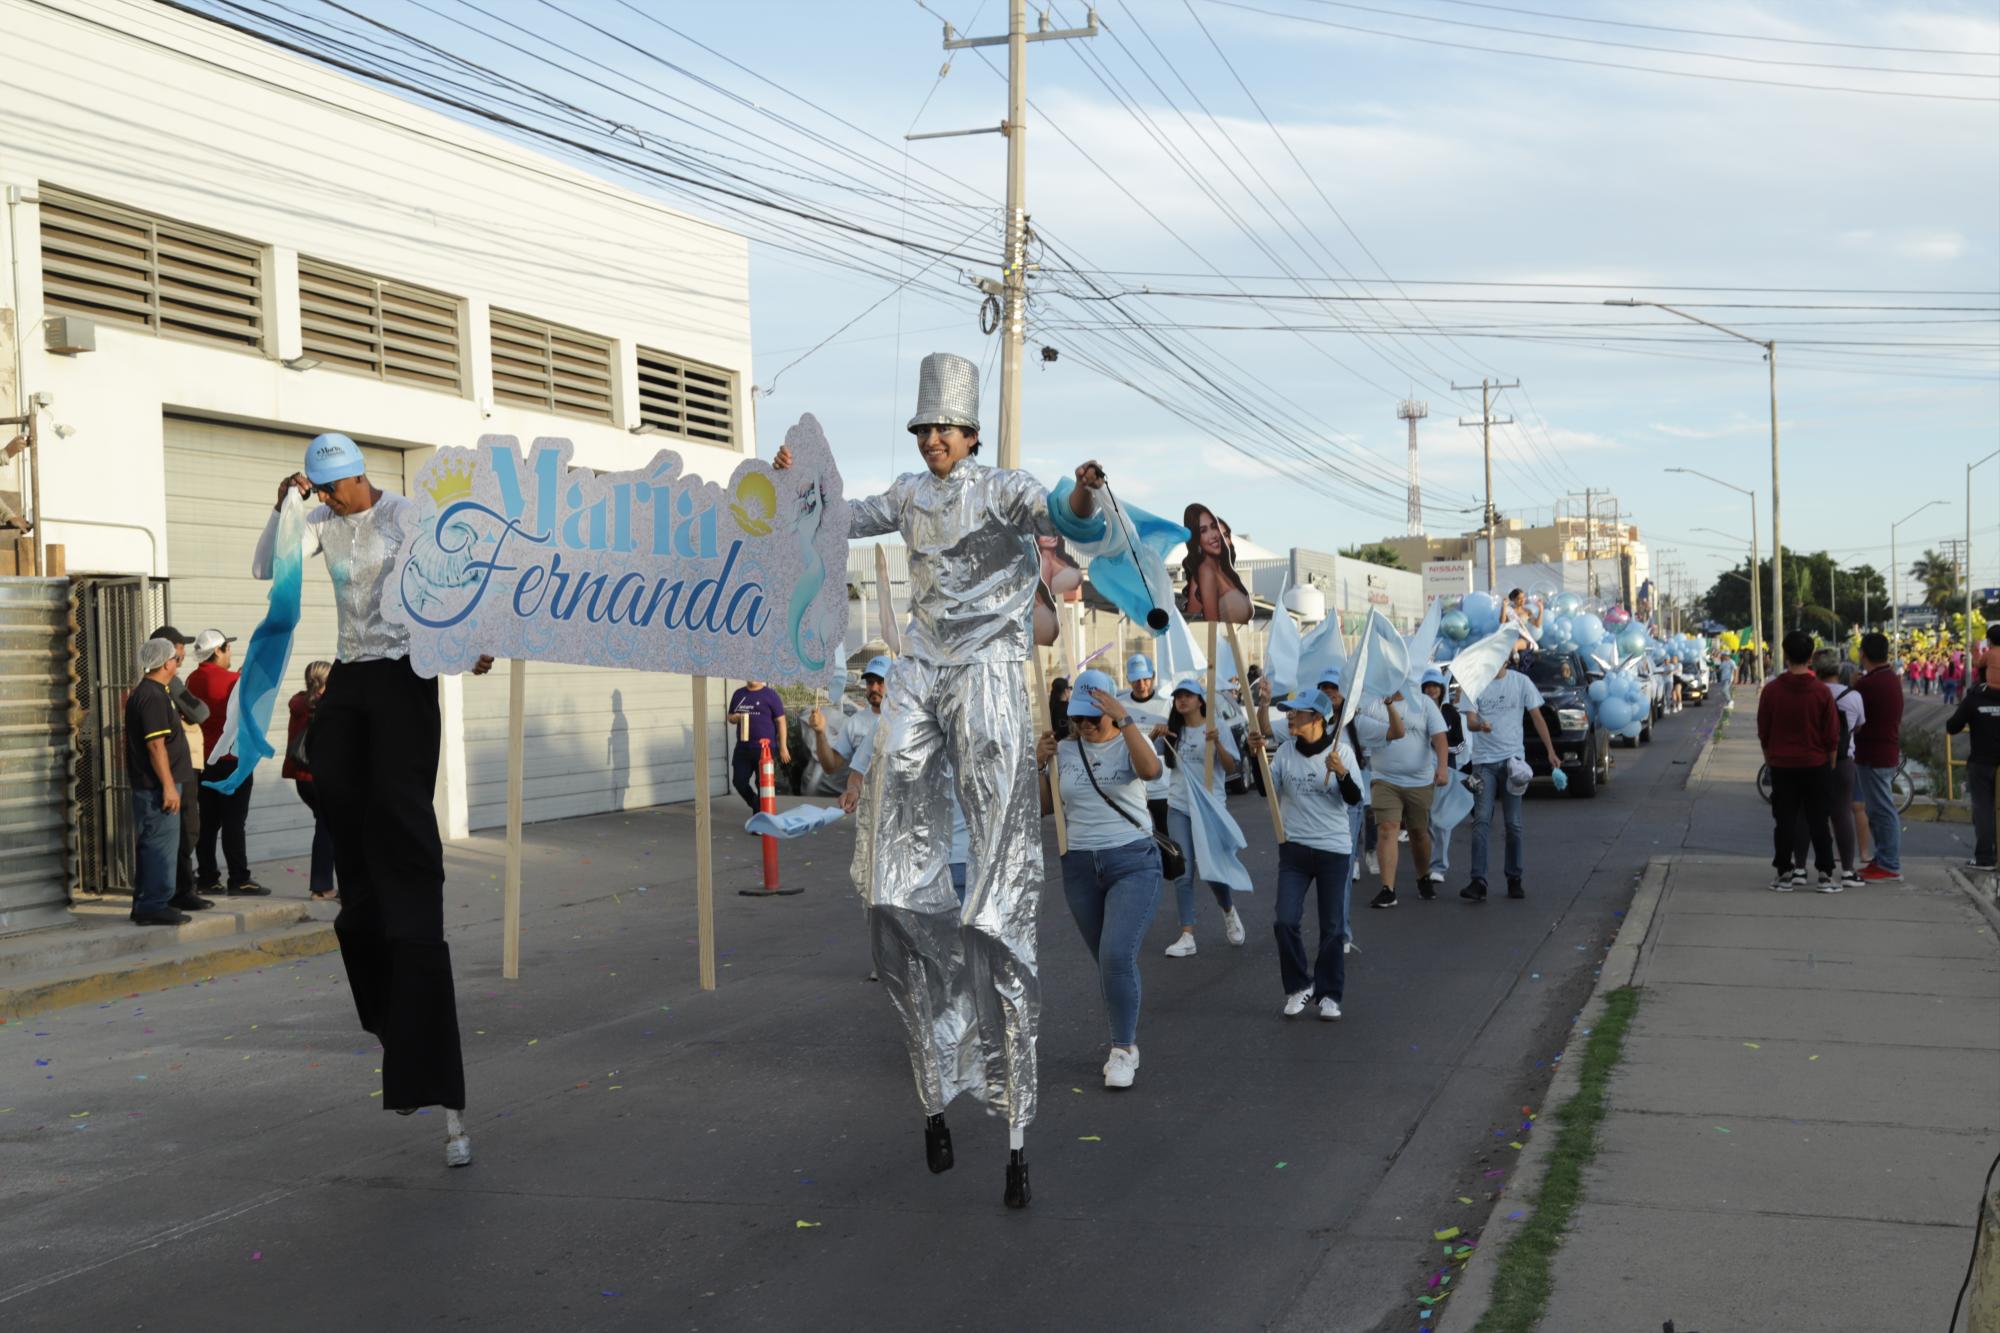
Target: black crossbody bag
x: 1173, y: 861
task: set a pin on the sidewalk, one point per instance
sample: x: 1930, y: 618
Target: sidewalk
x: 1807, y: 1102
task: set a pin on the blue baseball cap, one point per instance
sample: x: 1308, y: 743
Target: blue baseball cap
x: 1189, y: 685
x: 1080, y: 702
x: 331, y: 457
x: 1330, y: 676
x: 1309, y: 701
x: 1432, y: 676
x: 877, y: 667
x: 1138, y: 667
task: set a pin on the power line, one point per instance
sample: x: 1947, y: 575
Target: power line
x: 1731, y: 36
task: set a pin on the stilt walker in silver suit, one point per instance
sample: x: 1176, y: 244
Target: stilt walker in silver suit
x: 958, y: 714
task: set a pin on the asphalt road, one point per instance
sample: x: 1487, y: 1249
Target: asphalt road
x: 653, y: 1157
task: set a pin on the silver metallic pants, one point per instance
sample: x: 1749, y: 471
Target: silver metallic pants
x: 962, y: 980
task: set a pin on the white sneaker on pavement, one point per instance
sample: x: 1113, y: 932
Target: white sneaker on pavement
x: 1781, y: 882
x: 1329, y: 1008
x: 1828, y: 884
x: 1119, y: 1069
x: 1374, y: 864
x: 1295, y: 1003
x: 1232, y: 927
x: 1182, y: 947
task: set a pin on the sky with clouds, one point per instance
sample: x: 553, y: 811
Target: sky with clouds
x: 1440, y: 150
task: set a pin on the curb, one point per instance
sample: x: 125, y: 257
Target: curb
x: 1473, y: 1292
x: 97, y: 986
x: 1983, y: 899
x: 1698, y: 771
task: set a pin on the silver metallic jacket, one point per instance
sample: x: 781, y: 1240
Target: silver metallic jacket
x: 360, y: 549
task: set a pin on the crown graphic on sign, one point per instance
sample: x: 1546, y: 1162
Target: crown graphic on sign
x: 453, y: 482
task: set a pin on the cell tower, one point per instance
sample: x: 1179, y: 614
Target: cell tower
x: 1412, y: 411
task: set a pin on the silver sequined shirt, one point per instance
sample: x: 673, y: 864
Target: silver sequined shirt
x: 360, y: 550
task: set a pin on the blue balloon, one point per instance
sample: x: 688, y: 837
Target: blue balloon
x: 1634, y: 727
x: 1631, y: 640
x: 1482, y: 612
x: 1453, y: 625
x: 1569, y: 603
x: 1597, y: 691
x: 1588, y: 629
x: 1562, y: 627
x: 1614, y: 713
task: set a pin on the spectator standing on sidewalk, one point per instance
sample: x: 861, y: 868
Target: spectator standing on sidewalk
x: 157, y: 768
x: 1878, y: 751
x: 1497, y: 723
x: 193, y: 712
x: 298, y: 767
x: 1799, y: 729
x: 762, y: 707
x: 1840, y: 792
x: 1981, y: 713
x: 223, y: 816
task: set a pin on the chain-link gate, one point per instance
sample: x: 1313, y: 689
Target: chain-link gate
x: 113, y: 616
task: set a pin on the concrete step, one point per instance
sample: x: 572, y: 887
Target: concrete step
x: 170, y: 962
x: 102, y: 933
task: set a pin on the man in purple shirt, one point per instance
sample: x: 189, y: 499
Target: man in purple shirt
x: 759, y: 705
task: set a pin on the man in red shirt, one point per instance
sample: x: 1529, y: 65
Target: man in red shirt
x: 222, y: 816
x: 1800, y: 732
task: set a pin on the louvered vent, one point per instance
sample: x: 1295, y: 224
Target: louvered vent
x: 548, y: 366
x: 111, y: 263
x: 379, y: 328
x: 687, y: 399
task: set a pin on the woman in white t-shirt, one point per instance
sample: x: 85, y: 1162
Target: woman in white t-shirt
x: 1186, y: 736
x: 1111, y: 872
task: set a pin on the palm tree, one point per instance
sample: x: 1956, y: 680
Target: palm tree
x: 1939, y: 576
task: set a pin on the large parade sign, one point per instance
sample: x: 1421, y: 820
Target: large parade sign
x: 654, y: 569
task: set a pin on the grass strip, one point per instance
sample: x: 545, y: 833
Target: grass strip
x: 1523, y: 1281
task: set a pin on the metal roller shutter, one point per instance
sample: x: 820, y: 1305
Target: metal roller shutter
x: 221, y: 480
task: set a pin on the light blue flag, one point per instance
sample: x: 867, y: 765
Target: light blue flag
x: 1422, y: 644
x: 1450, y: 805
x: 265, y: 659
x: 1388, y: 665
x: 1180, y: 655
x: 1218, y: 841
x: 1127, y: 548
x: 793, y: 823
x: 1281, y: 653
x: 1479, y: 664
x: 1320, y: 651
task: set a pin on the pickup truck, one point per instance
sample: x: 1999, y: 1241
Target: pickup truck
x: 1582, y: 747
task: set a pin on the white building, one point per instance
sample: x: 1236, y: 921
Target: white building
x: 265, y: 250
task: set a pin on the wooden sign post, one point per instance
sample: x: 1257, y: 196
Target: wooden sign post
x: 1263, y: 760
x: 517, y: 762
x: 704, y: 833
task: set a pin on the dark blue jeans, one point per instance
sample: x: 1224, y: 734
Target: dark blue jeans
x: 1181, y: 829
x: 1492, y: 787
x: 156, y: 842
x: 1113, y: 896
x: 1301, y: 867
x: 322, y: 845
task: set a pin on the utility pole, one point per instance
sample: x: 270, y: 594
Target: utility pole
x: 1013, y: 285
x: 1486, y: 424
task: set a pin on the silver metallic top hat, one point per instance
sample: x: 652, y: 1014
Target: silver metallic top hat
x: 947, y: 392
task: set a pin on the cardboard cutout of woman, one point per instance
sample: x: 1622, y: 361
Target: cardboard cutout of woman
x: 1213, y: 592
x: 1061, y: 581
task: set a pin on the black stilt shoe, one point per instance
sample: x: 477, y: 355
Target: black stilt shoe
x: 1017, y: 1179
x: 937, y: 1144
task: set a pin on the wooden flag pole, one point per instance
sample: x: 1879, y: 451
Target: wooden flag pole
x: 1262, y: 759
x: 1214, y: 713
x: 704, y: 850
x: 1042, y: 713
x: 510, y: 911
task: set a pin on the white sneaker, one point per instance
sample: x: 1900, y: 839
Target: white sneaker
x: 1120, y: 1068
x: 1782, y: 883
x: 1295, y: 1003
x: 1182, y: 947
x: 1402, y: 835
x: 458, y: 1150
x: 1329, y: 1008
x: 1851, y: 879
x: 1349, y: 946
x: 1828, y: 884
x: 1374, y: 865
x: 1232, y: 927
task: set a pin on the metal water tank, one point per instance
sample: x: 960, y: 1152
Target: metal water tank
x: 1306, y: 602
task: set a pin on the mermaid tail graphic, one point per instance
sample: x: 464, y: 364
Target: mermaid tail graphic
x: 812, y: 573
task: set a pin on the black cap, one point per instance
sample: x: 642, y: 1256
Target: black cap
x: 171, y: 635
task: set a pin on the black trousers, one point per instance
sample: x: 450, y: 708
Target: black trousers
x: 184, y: 879
x: 743, y: 772
x: 374, y: 745
x: 224, y: 817
x: 1801, y: 797
x: 1979, y: 790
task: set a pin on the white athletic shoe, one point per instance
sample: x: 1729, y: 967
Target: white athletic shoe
x: 1295, y: 1003
x: 458, y: 1150
x: 1374, y: 865
x: 1182, y: 947
x: 1402, y: 835
x: 1232, y: 927
x: 1329, y: 1008
x: 1120, y: 1068
x: 1828, y: 884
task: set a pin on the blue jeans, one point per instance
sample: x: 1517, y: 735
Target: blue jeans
x: 1300, y: 867
x: 1181, y: 829
x: 1113, y: 896
x: 1884, y: 824
x: 156, y: 841
x: 1492, y: 785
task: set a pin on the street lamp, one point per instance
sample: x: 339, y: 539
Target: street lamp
x: 1756, y: 612
x: 1968, y: 551
x: 1896, y: 577
x: 1770, y: 347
